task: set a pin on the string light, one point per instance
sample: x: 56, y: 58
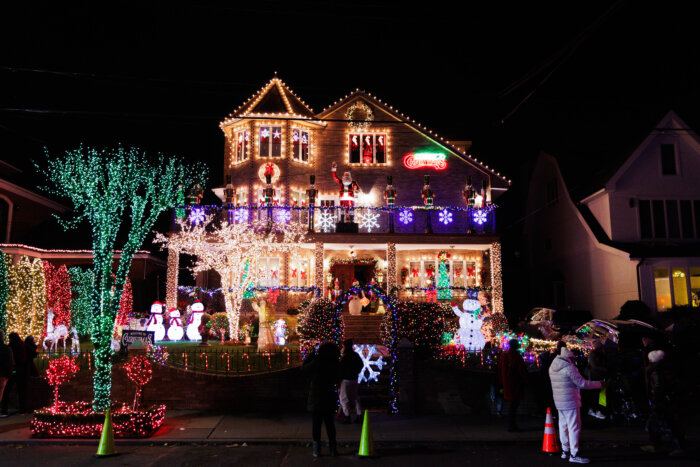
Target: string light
x: 26, y: 298
x: 109, y: 188
x: 4, y: 289
x: 319, y: 321
x: 496, y: 277
x: 58, y: 293
x: 140, y: 371
x: 82, y: 284
x: 60, y: 371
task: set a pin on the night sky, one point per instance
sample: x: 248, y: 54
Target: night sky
x: 162, y: 74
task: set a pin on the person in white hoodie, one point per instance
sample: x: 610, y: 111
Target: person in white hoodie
x: 567, y: 383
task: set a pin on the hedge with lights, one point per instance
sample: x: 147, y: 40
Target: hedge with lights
x: 58, y: 293
x: 26, y: 297
x: 319, y: 321
x: 114, y: 189
x: 3, y: 291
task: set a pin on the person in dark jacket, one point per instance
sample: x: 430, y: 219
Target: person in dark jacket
x: 595, y: 371
x: 350, y: 367
x: 20, y: 378
x: 7, y: 364
x: 513, y: 376
x: 664, y: 418
x: 324, y: 369
x: 31, y: 353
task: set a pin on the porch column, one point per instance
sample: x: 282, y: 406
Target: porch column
x: 172, y: 278
x: 318, y: 268
x: 496, y: 278
x: 391, y: 267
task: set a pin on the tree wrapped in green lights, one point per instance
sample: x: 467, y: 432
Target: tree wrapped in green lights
x: 4, y: 289
x: 115, y: 189
x: 81, y: 281
x: 443, y: 281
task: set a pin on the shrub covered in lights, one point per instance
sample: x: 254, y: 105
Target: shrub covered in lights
x: 60, y: 371
x: 3, y: 291
x: 320, y: 320
x: 26, y: 297
x: 81, y: 288
x: 422, y: 323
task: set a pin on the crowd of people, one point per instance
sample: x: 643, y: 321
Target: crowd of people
x: 16, y: 367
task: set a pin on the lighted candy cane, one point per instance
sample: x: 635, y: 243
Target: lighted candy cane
x: 184, y: 355
x: 285, y: 349
x: 206, y: 360
x: 247, y: 359
x: 482, y: 358
x: 228, y: 361
x: 269, y: 359
x: 88, y: 357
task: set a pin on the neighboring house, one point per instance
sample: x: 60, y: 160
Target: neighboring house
x: 634, y: 236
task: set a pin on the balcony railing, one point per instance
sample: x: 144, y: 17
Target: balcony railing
x: 396, y: 219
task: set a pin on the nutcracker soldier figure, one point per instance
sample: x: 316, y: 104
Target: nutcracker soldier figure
x: 390, y: 196
x: 428, y: 198
x: 469, y: 195
x: 269, y: 196
x: 348, y: 190
x: 311, y: 195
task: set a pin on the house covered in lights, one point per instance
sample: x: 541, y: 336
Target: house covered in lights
x: 413, y: 195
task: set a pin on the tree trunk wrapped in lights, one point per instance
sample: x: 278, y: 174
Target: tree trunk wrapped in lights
x: 114, y: 189
x: 232, y: 250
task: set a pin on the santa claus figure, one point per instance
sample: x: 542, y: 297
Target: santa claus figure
x: 348, y: 192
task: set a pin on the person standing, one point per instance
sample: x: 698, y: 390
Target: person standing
x: 513, y: 378
x: 7, y: 364
x: 324, y: 368
x: 350, y: 367
x: 20, y: 378
x: 595, y: 371
x: 567, y: 383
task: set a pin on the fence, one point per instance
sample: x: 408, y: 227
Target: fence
x: 84, y: 360
x: 234, y: 362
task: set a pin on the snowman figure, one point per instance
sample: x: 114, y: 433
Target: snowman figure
x: 155, y: 323
x: 280, y: 331
x: 175, y: 330
x: 194, y: 321
x: 469, y: 334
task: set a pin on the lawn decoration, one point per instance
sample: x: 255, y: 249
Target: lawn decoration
x: 155, y: 323
x: 60, y: 371
x: 175, y: 330
x: 469, y: 334
x: 54, y: 334
x: 140, y: 371
x: 194, y: 321
x: 366, y: 352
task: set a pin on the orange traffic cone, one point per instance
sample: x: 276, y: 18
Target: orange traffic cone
x: 549, y: 444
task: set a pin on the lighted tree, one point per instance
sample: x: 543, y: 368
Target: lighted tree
x: 232, y: 250
x: 140, y: 371
x: 60, y: 371
x: 81, y: 290
x: 114, y: 190
x: 58, y: 293
x: 443, y: 282
x: 3, y: 291
x: 126, y: 306
x: 26, y: 298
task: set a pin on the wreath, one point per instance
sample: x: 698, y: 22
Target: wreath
x: 359, y: 116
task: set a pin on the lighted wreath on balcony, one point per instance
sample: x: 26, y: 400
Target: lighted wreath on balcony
x: 359, y: 116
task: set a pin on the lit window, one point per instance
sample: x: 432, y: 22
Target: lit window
x: 300, y: 145
x: 663, y: 289
x: 240, y: 139
x: 680, y: 287
x: 695, y: 287
x: 241, y: 197
x: 269, y: 272
x: 367, y: 148
x: 299, y: 275
x: 270, y: 141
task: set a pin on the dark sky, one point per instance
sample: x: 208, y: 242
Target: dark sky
x: 162, y: 74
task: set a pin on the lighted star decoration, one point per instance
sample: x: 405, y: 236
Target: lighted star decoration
x: 369, y: 220
x: 241, y: 215
x: 276, y: 134
x: 445, y: 217
x: 295, y: 136
x: 283, y: 215
x: 326, y: 221
x: 197, y: 216
x: 406, y: 216
x: 479, y: 216
x: 366, y: 352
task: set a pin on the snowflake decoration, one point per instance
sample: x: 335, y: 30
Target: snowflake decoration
x: 369, y: 220
x: 283, y: 216
x: 241, y: 215
x: 265, y: 133
x: 406, y: 216
x: 326, y: 221
x: 197, y: 216
x: 479, y: 216
x: 445, y: 217
x: 366, y: 352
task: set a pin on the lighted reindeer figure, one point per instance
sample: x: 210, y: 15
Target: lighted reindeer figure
x: 54, y: 334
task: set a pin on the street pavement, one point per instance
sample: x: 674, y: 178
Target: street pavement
x: 291, y: 456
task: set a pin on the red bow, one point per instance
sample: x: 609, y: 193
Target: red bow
x: 458, y: 272
x: 274, y: 273
x: 470, y: 272
x: 269, y: 169
x: 431, y: 296
x: 414, y: 272
x: 294, y: 272
x: 303, y: 275
x: 273, y: 294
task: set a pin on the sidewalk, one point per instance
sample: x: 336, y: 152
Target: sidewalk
x: 183, y: 426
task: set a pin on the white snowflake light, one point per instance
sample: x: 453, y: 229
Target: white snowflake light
x: 445, y: 217
x: 197, y: 216
x: 326, y: 221
x: 369, y: 220
x: 366, y: 352
x: 406, y: 216
x: 479, y: 216
x: 241, y: 215
x: 283, y: 215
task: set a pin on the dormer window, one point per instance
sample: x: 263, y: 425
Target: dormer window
x: 241, y: 145
x: 668, y: 159
x: 300, y: 145
x: 270, y: 141
x: 367, y: 148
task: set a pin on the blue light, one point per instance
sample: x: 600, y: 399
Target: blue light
x: 406, y: 216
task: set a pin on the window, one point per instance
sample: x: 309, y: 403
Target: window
x: 657, y: 208
x: 645, y: 218
x: 663, y: 289
x: 367, y: 148
x: 686, y: 219
x: 299, y: 197
x: 270, y: 141
x: 680, y: 287
x: 269, y: 272
x: 300, y: 145
x: 299, y: 274
x: 668, y: 219
x: 240, y: 145
x: 695, y: 287
x: 668, y: 159
x: 241, y: 197
x: 674, y: 229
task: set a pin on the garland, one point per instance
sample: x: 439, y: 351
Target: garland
x: 215, y: 209
x: 194, y: 291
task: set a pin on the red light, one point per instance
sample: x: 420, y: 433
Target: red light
x: 425, y: 160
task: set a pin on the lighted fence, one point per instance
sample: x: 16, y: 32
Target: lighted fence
x: 234, y: 361
x: 84, y: 360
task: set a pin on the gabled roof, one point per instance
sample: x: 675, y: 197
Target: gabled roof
x: 275, y: 98
x: 400, y: 117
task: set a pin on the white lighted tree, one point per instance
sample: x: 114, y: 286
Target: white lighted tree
x: 117, y: 191
x: 233, y: 250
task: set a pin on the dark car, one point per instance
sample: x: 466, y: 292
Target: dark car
x: 548, y: 323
